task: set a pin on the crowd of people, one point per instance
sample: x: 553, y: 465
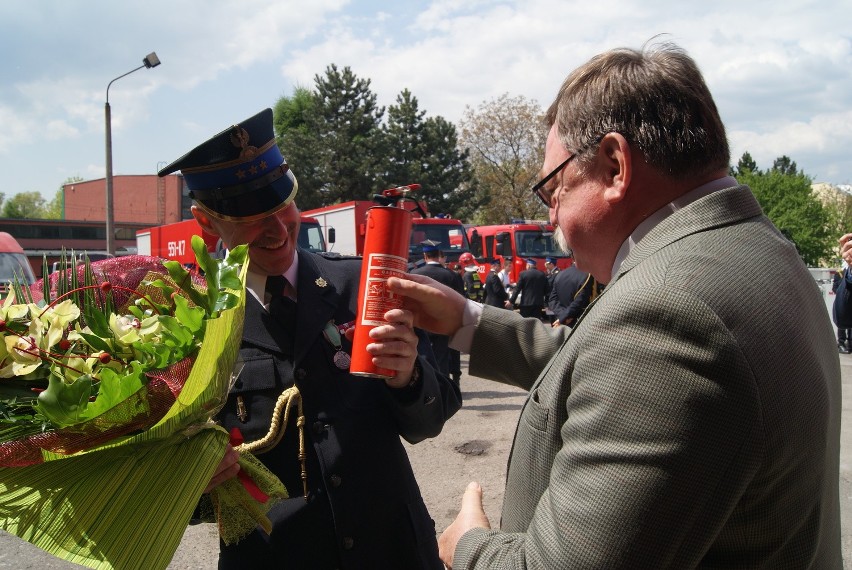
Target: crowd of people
x: 675, y: 419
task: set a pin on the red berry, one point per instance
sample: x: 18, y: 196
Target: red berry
x: 64, y: 345
x: 106, y: 286
x: 104, y: 358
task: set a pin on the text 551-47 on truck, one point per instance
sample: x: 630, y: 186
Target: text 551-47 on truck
x: 345, y: 225
x: 172, y: 241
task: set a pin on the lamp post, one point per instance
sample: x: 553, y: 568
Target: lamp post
x: 151, y: 60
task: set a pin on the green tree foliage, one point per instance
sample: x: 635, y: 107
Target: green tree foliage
x: 347, y: 119
x: 337, y: 145
x: 786, y: 197
x: 331, y: 138
x: 425, y: 151
x: 784, y: 165
x: 745, y: 164
x: 295, y: 120
x: 55, y: 209
x: 505, y: 138
x: 24, y: 205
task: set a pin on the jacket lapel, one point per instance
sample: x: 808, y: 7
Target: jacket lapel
x: 318, y: 301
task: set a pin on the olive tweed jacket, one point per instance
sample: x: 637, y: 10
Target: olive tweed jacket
x: 690, y: 419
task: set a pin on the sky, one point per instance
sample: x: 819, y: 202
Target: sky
x: 780, y: 72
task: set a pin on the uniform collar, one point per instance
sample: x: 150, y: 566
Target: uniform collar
x: 256, y: 282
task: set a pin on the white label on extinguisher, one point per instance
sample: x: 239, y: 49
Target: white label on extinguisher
x: 377, y: 299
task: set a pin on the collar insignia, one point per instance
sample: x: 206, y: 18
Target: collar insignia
x: 321, y: 282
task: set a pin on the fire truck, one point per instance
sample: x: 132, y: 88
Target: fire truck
x: 345, y: 225
x: 172, y: 241
x: 519, y: 241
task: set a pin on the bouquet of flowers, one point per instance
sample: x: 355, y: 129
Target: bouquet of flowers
x: 109, y: 375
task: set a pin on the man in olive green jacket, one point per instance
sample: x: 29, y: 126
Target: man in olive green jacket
x: 689, y: 419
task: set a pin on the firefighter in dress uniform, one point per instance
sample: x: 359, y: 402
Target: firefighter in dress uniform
x: 363, y: 507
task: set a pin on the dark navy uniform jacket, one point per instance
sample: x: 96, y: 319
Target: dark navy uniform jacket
x: 364, y: 508
x: 442, y: 275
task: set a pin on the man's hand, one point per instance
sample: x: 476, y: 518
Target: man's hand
x: 394, y: 346
x: 436, y: 307
x: 472, y: 515
x: 227, y: 469
x: 846, y: 248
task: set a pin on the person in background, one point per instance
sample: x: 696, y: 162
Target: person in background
x: 571, y: 293
x: 360, y: 506
x: 505, y: 275
x: 844, y: 335
x: 551, y: 270
x: 684, y: 421
x: 532, y: 288
x: 495, y: 292
x: 449, y: 361
x: 473, y: 287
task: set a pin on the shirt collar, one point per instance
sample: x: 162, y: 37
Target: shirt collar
x: 654, y: 219
x: 256, y: 282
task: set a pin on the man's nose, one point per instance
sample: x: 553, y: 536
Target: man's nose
x: 277, y: 224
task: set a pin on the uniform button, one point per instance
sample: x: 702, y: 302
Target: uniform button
x: 348, y: 543
x: 318, y: 427
x: 301, y: 374
x: 336, y: 480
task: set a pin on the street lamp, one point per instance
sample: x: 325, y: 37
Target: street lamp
x: 151, y: 60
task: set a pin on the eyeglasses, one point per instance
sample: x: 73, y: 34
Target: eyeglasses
x: 545, y: 195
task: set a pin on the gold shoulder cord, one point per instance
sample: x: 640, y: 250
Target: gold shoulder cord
x: 288, y: 398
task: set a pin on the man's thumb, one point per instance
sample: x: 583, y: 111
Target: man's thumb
x: 472, y: 499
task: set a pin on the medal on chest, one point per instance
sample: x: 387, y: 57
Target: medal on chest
x: 332, y: 334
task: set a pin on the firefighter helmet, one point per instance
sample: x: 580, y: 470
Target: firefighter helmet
x: 466, y: 259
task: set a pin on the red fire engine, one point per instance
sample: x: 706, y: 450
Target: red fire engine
x: 517, y: 241
x: 345, y: 225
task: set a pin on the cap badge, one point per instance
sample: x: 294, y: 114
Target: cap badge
x: 240, y: 139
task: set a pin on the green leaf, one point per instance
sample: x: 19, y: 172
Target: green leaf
x: 63, y: 403
x: 155, y: 355
x: 184, y: 282
x: 96, y: 342
x: 97, y: 320
x: 114, y: 389
x: 191, y: 317
x: 175, y: 331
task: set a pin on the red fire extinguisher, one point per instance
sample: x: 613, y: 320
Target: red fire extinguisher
x: 385, y: 255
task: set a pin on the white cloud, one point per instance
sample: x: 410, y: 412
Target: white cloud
x: 779, y: 72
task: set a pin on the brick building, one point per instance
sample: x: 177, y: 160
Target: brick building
x: 137, y: 199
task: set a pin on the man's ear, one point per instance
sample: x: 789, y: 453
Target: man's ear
x: 203, y: 220
x: 616, y: 166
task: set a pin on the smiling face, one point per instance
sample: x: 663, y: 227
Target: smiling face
x: 272, y: 240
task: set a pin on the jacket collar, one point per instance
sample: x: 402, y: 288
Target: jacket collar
x: 317, y: 301
x: 719, y: 208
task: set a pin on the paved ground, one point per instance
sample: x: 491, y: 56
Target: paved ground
x: 473, y: 446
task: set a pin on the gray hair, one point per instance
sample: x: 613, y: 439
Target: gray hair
x: 656, y: 98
